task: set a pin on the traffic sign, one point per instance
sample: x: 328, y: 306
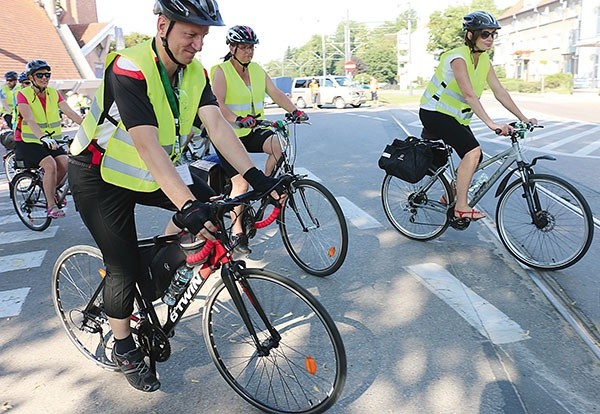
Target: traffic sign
x: 350, y: 66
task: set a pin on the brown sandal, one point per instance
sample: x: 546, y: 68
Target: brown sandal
x: 468, y: 214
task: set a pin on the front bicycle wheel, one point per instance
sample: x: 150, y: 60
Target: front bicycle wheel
x: 29, y: 201
x: 564, y: 228
x: 77, y: 282
x: 303, y: 372
x: 420, y: 210
x: 313, y: 228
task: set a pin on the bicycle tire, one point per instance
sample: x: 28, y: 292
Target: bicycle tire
x: 568, y: 227
x: 318, y: 244
x: 77, y: 277
x: 309, y: 340
x: 416, y: 215
x: 29, y: 200
x: 10, y: 169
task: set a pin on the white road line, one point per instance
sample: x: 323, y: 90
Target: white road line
x: 588, y: 149
x: 27, y: 235
x: 570, y: 138
x: 22, y: 261
x: 482, y: 315
x: 9, y: 219
x: 11, y: 301
x: 357, y: 216
x: 560, y: 130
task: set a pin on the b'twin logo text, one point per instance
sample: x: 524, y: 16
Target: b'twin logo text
x: 184, y: 301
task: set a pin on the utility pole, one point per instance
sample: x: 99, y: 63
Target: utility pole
x: 323, y: 53
x: 347, y: 54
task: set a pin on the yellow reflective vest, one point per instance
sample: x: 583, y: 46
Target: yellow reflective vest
x: 121, y: 163
x: 47, y: 119
x: 443, y: 94
x: 240, y: 98
x: 10, y: 100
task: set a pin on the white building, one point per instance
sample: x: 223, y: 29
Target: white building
x: 545, y: 37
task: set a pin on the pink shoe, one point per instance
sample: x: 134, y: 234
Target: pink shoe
x: 55, y: 212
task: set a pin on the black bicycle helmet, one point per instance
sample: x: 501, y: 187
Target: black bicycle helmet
x: 10, y: 75
x: 35, y: 65
x: 241, y: 34
x: 200, y: 12
x: 479, y: 20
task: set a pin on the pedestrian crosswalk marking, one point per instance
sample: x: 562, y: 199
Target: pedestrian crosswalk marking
x: 357, y: 216
x: 569, y: 139
x: 479, y: 313
x: 11, y: 301
x: 21, y: 261
x: 10, y: 237
x: 9, y: 219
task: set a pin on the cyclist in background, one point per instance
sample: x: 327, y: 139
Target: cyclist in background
x: 452, y: 97
x: 240, y: 86
x: 37, y: 125
x: 7, y: 100
x: 125, y: 152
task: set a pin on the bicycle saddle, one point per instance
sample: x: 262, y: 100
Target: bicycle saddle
x: 429, y: 135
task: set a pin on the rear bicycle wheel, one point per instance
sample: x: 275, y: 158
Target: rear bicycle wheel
x: 563, y: 232
x: 313, y: 228
x: 77, y: 283
x: 418, y: 210
x: 304, y: 372
x: 10, y: 168
x: 29, y: 200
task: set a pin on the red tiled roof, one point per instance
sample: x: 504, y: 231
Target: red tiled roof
x: 27, y: 33
x: 85, y: 32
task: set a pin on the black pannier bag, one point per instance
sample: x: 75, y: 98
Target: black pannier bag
x: 7, y: 139
x: 407, y: 159
x: 158, y: 264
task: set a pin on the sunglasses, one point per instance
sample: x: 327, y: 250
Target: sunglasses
x: 26, y: 83
x: 485, y: 34
x: 42, y: 75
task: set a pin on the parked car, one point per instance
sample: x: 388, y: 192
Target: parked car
x: 334, y: 90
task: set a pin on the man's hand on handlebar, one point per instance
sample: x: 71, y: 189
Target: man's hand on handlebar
x: 195, y: 216
x: 502, y: 129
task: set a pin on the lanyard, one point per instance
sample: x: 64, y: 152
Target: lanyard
x: 172, y: 98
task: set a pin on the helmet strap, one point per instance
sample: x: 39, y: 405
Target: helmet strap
x: 36, y: 87
x: 165, y: 44
x: 244, y: 65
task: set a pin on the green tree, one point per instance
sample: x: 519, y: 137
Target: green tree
x: 131, y: 40
x: 445, y: 27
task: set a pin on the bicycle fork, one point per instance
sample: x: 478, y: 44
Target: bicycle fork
x: 230, y: 278
x: 531, y: 196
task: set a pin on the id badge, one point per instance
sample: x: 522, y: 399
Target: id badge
x: 184, y: 172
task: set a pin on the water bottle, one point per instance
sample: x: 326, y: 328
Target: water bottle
x: 476, y: 185
x: 180, y: 279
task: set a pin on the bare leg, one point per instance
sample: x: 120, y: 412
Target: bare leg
x: 464, y: 175
x: 271, y: 147
x: 50, y: 179
x: 120, y: 327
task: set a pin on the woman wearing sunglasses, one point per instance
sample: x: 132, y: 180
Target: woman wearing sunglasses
x: 452, y: 97
x: 38, y: 124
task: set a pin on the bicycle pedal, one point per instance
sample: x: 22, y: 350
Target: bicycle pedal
x: 460, y: 223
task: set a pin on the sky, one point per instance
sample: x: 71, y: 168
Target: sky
x: 277, y: 23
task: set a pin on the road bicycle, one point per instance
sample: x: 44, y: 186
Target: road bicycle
x: 541, y: 219
x: 312, y: 224
x: 28, y: 197
x: 270, y: 339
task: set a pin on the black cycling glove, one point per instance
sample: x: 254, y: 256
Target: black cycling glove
x: 297, y: 116
x: 245, y: 122
x: 261, y: 183
x: 192, y: 216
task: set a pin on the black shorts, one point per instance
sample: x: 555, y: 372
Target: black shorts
x: 253, y: 142
x: 32, y: 154
x: 108, y: 212
x: 458, y: 136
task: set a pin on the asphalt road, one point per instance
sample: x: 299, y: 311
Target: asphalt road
x: 453, y: 325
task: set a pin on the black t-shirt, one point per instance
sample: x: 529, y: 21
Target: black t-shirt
x: 127, y: 88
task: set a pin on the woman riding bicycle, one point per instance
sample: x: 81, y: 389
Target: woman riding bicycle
x: 37, y: 125
x: 452, y: 96
x: 240, y: 86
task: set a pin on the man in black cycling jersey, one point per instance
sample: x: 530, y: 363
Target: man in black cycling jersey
x: 126, y: 150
